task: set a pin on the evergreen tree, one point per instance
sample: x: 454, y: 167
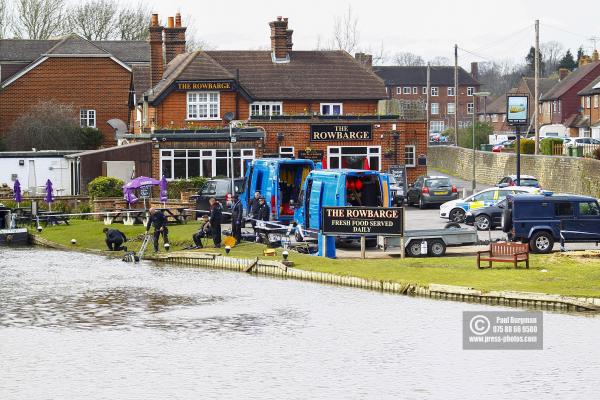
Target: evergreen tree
x: 568, y: 61
x: 530, y: 59
x: 580, y: 53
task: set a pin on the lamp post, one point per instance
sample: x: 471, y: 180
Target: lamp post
x: 229, y: 118
x: 475, y: 95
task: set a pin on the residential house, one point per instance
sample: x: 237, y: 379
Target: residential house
x: 590, y: 114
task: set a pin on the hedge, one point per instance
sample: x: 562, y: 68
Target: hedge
x: 527, y: 146
x: 104, y: 186
x: 547, y: 144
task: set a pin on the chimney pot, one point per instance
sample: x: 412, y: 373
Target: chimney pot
x: 281, y: 39
x: 170, y: 22
x: 279, y: 18
x: 595, y: 56
x: 178, y: 20
x: 154, y: 20
x: 562, y: 73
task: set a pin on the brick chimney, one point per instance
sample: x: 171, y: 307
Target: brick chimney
x: 281, y: 40
x: 562, y: 73
x: 366, y: 60
x: 174, y: 38
x: 584, y: 60
x: 595, y: 56
x: 475, y: 70
x: 156, y: 50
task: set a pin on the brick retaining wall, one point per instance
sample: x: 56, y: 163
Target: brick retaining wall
x: 559, y: 174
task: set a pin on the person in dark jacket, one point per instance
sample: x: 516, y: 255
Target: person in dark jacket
x: 203, y: 231
x: 253, y: 206
x: 263, y: 214
x: 215, y: 218
x: 114, y: 239
x: 237, y: 216
x: 159, y: 221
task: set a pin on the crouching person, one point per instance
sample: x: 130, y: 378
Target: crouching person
x: 115, y: 239
x: 203, y: 232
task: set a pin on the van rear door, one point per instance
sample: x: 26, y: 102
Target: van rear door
x: 385, y: 190
x: 314, y: 205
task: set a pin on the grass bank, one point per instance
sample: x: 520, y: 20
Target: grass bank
x: 553, y: 274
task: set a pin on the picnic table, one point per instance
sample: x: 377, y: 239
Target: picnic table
x: 52, y: 218
x: 179, y: 217
x: 129, y: 216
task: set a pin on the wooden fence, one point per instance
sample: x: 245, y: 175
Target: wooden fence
x: 587, y: 150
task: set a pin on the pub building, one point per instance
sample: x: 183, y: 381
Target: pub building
x: 321, y: 105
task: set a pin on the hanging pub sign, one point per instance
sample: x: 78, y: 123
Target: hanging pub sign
x: 517, y: 109
x: 145, y: 191
x: 204, y: 85
x: 362, y: 221
x: 310, y: 154
x: 337, y: 132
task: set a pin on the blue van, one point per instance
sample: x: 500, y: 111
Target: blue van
x: 542, y: 220
x: 279, y: 181
x: 340, y: 188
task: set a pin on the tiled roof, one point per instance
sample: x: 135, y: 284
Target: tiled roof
x: 571, y: 80
x: 497, y: 106
x: 592, y: 88
x: 141, y: 79
x: 417, y: 75
x: 75, y: 45
x: 544, y: 85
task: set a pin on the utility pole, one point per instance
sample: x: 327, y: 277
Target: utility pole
x: 427, y: 101
x: 537, y: 87
x: 456, y: 107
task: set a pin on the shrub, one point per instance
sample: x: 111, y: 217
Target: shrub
x: 527, y: 146
x: 90, y: 138
x: 465, y: 135
x: 83, y: 208
x: 175, y: 188
x: 547, y: 144
x: 104, y: 186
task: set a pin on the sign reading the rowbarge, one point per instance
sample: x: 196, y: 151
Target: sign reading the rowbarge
x: 204, y: 85
x: 335, y: 133
x: 362, y: 221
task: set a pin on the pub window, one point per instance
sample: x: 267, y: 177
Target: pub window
x: 410, y: 157
x: 354, y: 157
x: 87, y: 118
x: 203, y: 105
x: 286, y: 152
x: 185, y: 164
x: 266, y: 108
x: 332, y: 109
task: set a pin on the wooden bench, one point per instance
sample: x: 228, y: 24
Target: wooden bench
x: 504, y: 252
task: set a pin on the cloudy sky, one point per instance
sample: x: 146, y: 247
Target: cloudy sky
x: 492, y: 29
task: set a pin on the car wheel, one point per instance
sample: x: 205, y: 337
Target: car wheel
x: 506, y: 221
x: 414, y: 249
x: 541, y: 242
x: 457, y: 215
x: 437, y: 248
x: 422, y: 204
x: 483, y: 222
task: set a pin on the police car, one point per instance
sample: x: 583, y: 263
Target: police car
x: 456, y: 210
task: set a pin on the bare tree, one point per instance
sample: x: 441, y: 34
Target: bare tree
x: 552, y: 53
x: 439, y: 61
x: 4, y: 16
x: 94, y: 20
x: 405, y: 58
x: 38, y: 19
x: 500, y: 77
x: 132, y: 22
x: 345, y: 32
x: 192, y: 40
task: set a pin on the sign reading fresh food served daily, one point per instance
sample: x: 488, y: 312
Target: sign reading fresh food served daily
x: 517, y: 109
x: 204, y: 85
x: 335, y: 132
x: 362, y: 221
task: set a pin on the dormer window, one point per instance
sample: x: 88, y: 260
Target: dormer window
x: 266, y: 108
x: 332, y: 109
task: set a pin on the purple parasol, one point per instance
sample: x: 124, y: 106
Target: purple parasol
x: 17, y: 190
x: 130, y: 196
x: 49, y: 198
x: 140, y: 181
x: 163, y: 190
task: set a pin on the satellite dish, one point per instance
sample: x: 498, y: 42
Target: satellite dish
x: 119, y: 126
x: 229, y: 116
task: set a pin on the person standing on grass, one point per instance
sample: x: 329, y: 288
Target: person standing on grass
x: 237, y: 212
x: 263, y: 215
x: 159, y: 221
x: 253, y: 207
x: 114, y: 239
x: 215, y: 218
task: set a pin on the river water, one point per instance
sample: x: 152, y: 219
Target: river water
x: 76, y: 326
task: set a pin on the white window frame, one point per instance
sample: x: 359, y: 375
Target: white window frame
x: 415, y: 90
x: 424, y: 90
x: 595, y: 101
x: 287, y: 151
x: 336, y: 151
x: 265, y: 108
x: 87, y: 118
x: 435, y: 108
x: 205, y: 154
x: 331, y: 106
x: 440, y: 125
x: 413, y: 163
x: 470, y: 91
x: 406, y: 90
x: 588, y: 102
x: 450, y: 91
x: 398, y: 89
x: 451, y: 108
x: 206, y: 103
x: 435, y: 91
x: 470, y: 108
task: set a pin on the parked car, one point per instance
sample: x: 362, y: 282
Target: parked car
x: 490, y: 217
x: 428, y: 190
x: 580, y: 141
x: 456, y: 210
x: 279, y: 181
x: 543, y: 219
x: 526, y: 180
x: 396, y: 191
x: 498, y: 148
x: 220, y: 189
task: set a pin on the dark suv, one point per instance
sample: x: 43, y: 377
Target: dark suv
x: 542, y: 220
x: 220, y: 189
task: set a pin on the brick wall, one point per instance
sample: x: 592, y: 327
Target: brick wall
x: 559, y: 174
x: 95, y: 83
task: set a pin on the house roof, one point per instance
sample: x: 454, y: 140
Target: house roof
x: 319, y: 75
x: 417, y: 75
x: 571, y: 80
x: 29, y: 50
x: 592, y: 88
x: 544, y: 85
x: 497, y: 106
